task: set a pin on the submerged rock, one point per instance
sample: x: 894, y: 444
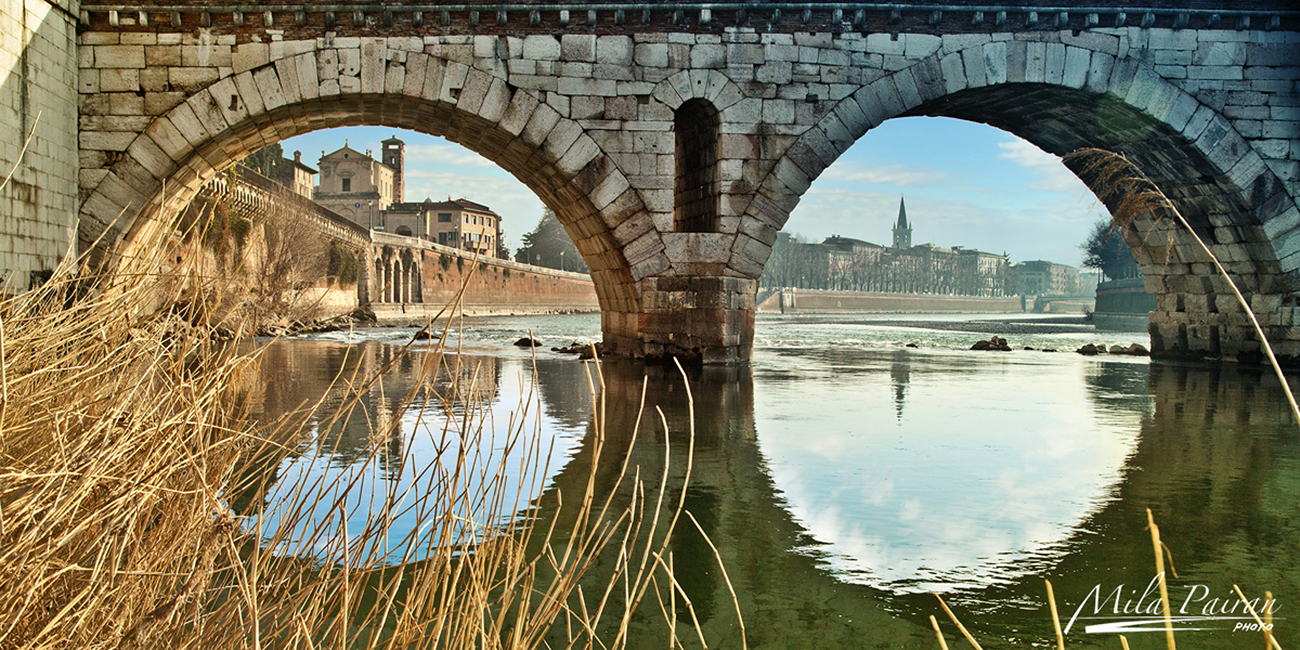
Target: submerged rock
x: 1133, y: 350
x: 994, y: 343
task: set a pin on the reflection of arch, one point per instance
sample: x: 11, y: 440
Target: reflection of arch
x: 1087, y: 98
x: 512, y: 127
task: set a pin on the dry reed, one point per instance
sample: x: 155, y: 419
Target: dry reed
x: 125, y: 436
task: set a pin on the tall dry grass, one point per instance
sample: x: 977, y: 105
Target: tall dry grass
x: 126, y: 435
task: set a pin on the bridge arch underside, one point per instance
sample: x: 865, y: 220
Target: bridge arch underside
x: 566, y: 173
x: 1197, y: 314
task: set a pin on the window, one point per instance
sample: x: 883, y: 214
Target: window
x: 444, y: 217
x: 347, y: 185
x: 473, y: 220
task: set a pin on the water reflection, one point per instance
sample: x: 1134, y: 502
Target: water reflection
x: 839, y: 484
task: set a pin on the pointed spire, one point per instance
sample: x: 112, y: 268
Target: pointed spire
x: 902, y: 214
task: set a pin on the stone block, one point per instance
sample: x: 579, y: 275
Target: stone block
x: 587, y: 86
x: 119, y: 56
x: 954, y: 76
x: 190, y: 79
x: 1078, y: 62
x: 1099, y: 69
x: 119, y: 80
x: 1054, y: 64
x: 249, y: 93
x: 541, y: 48
x: 918, y: 45
x: 697, y: 247
x: 973, y: 63
x: 374, y: 65
x: 578, y: 47
x: 268, y: 88
x: 1215, y: 72
x: 206, y: 55
x: 1036, y: 62
x: 106, y: 140
x: 286, y: 71
x: 1172, y: 39
x: 160, y: 55
x: 708, y: 56
x: 233, y: 108
x: 614, y: 50
x: 124, y: 103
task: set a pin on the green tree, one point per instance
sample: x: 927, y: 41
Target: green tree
x: 268, y: 161
x: 1106, y: 251
x: 549, y: 245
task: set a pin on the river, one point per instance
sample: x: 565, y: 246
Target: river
x: 845, y: 476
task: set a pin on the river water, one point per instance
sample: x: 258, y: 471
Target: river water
x: 845, y: 477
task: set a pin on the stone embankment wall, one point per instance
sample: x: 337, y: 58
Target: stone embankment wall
x: 828, y: 302
x: 38, y: 76
x: 492, y: 286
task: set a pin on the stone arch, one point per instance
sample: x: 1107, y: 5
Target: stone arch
x: 1066, y: 97
x: 179, y: 151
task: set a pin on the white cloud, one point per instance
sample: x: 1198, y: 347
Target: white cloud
x: 445, y: 154
x: 883, y: 175
x: 1053, y: 175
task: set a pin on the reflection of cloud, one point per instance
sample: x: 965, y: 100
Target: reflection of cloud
x: 883, y: 175
x: 997, y: 469
x: 1055, y: 176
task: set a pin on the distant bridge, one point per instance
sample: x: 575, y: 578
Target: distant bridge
x: 673, y: 140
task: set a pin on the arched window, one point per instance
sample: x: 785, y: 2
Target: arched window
x: 403, y: 230
x: 695, y: 204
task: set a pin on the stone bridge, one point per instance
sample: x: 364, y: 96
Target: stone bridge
x: 673, y: 141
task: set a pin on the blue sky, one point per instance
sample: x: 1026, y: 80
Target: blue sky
x: 966, y: 184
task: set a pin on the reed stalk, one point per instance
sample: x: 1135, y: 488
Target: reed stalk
x: 127, y: 431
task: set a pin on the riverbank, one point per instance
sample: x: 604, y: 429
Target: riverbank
x: 1055, y: 325
x: 815, y: 301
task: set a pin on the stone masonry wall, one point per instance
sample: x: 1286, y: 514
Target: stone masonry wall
x: 38, y: 75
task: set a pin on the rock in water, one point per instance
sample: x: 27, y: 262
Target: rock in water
x: 1088, y: 350
x: 528, y: 342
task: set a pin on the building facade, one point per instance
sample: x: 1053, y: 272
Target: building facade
x: 1043, y: 278
x: 358, y: 187
x: 299, y: 177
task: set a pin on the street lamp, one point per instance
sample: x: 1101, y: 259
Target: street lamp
x: 562, y: 260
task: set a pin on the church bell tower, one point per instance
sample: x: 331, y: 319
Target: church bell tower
x: 902, y: 230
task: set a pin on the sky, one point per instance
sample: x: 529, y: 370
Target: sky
x: 965, y: 184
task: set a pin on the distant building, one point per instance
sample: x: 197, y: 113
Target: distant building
x: 460, y: 223
x: 1043, y: 278
x: 847, y: 264
x: 359, y: 187
x: 299, y: 177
